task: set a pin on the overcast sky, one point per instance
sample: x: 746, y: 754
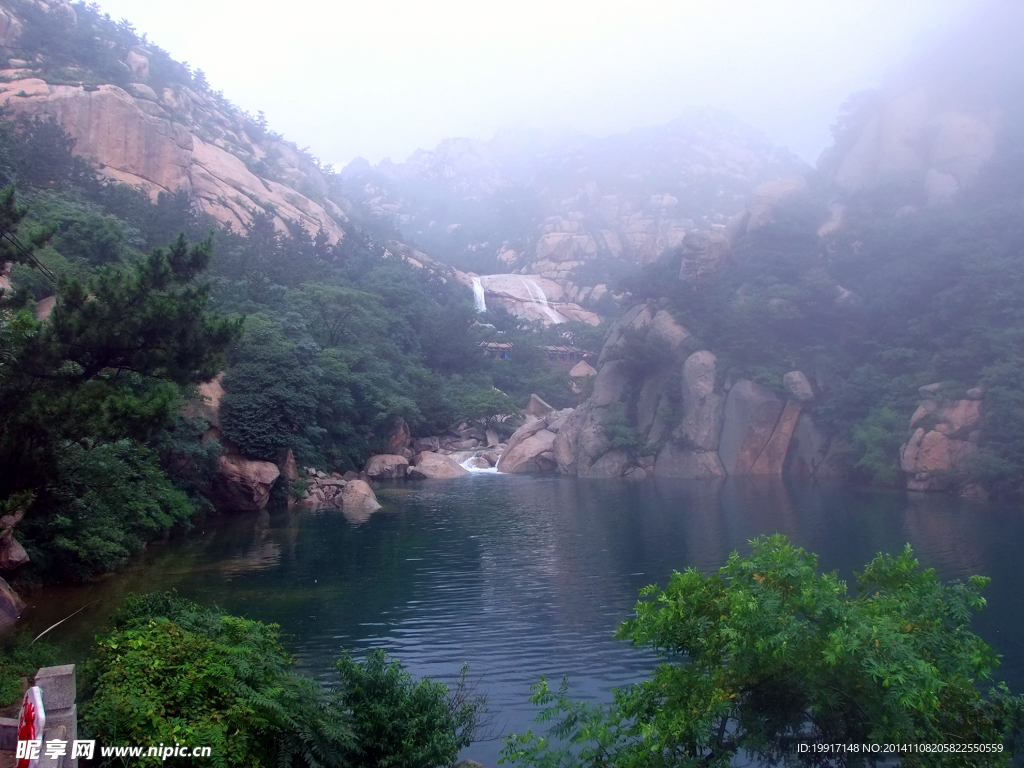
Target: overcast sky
x: 382, y: 78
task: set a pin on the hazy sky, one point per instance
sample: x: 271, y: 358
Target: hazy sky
x: 384, y: 77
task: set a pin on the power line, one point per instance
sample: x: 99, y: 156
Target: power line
x: 28, y: 255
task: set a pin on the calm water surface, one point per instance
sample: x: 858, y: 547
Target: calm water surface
x: 523, y: 576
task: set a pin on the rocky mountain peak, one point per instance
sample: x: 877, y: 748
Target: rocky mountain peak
x: 146, y: 120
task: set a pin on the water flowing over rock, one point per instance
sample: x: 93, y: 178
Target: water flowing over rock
x: 435, y: 466
x: 243, y: 484
x: 479, y: 298
x: 529, y: 297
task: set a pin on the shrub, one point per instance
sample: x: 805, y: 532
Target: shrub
x: 172, y: 672
x: 766, y: 655
x: 399, y: 721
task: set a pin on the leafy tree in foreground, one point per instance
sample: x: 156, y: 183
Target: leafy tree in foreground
x: 767, y: 656
x: 174, y: 672
x: 403, y: 722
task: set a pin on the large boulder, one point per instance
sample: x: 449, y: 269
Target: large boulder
x: 324, y: 492
x: 808, y: 448
x: 651, y: 393
x: 243, y: 484
x: 610, y: 384
x: 357, y: 494
x: 931, y: 459
x: 358, y: 501
x: 773, y: 456
x: 701, y: 426
x: 798, y: 386
x: 635, y: 317
x: 435, y: 466
x: 612, y: 464
x: 522, y: 456
x: 12, y: 554
x: 581, y: 440
x: 289, y: 468
x: 537, y: 408
x: 386, y: 466
x: 678, y: 461
x: 750, y: 415
x: 665, y: 328
x: 421, y: 444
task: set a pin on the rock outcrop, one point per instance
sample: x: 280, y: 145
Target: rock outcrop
x: 171, y: 139
x: 944, y: 439
x: 527, y: 449
x: 357, y: 498
x: 701, y: 425
x: 386, y: 466
x: 243, y: 484
x: 435, y: 466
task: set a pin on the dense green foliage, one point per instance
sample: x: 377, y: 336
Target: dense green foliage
x: 339, y: 340
x: 767, y: 655
x: 173, y: 672
x: 20, y: 658
x: 401, y: 722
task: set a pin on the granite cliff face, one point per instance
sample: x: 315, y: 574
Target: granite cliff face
x: 161, y: 133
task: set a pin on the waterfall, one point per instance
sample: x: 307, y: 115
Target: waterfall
x: 536, y: 294
x: 478, y: 295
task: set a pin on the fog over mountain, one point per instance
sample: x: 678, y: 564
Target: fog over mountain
x: 384, y: 79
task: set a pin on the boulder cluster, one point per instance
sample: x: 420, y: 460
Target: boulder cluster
x: 944, y: 437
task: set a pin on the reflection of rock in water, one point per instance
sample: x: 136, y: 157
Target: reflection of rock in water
x: 942, y: 527
x: 358, y: 515
x: 264, y: 553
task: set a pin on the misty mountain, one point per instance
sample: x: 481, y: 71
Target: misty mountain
x: 571, y: 207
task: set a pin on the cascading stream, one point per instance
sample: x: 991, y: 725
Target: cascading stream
x: 478, y: 295
x: 537, y: 296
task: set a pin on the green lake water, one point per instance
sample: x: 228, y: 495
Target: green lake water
x: 527, y: 576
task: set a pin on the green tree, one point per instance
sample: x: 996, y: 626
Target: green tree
x: 401, y: 722
x: 767, y: 655
x: 173, y: 672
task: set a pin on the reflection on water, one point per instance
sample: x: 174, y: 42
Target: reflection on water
x: 523, y: 576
